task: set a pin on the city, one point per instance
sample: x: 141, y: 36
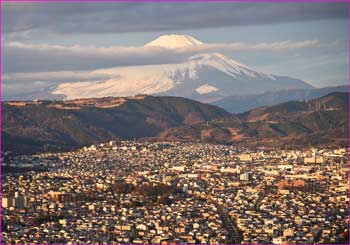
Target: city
x: 160, y: 122
x: 172, y: 192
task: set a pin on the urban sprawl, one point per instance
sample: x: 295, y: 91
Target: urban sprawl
x: 133, y: 192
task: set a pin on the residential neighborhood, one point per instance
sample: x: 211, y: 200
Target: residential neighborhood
x: 172, y: 192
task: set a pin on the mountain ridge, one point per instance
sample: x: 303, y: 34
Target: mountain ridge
x: 242, y: 103
x: 318, y: 122
x: 36, y: 126
x: 62, y: 125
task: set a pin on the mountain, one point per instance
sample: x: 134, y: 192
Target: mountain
x: 174, y: 41
x: 319, y: 122
x: 34, y: 126
x: 242, y: 103
x: 204, y: 77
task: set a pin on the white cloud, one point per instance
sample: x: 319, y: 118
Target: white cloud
x: 273, y: 46
x: 119, y: 50
x: 23, y: 57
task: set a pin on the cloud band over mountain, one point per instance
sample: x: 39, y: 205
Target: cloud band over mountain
x: 58, y: 57
x: 49, y: 18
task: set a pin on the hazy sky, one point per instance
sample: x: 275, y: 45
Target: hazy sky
x: 303, y: 40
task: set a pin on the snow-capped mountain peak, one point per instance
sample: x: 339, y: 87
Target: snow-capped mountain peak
x: 199, y: 77
x: 174, y: 41
x: 202, y: 76
x: 224, y: 64
x: 217, y: 57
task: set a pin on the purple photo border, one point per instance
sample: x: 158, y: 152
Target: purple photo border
x: 165, y: 1
x: 1, y: 121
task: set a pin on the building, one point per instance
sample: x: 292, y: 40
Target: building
x: 6, y: 202
x: 244, y: 176
x: 313, y: 159
x: 58, y: 196
x: 290, y: 184
x: 245, y: 157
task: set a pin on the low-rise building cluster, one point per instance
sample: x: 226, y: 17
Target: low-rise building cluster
x: 132, y: 192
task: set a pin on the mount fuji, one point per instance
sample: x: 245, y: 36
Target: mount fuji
x: 205, y: 77
x: 174, y: 41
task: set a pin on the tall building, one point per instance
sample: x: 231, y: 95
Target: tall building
x: 20, y: 202
x: 17, y: 202
x: 238, y: 169
x: 6, y: 202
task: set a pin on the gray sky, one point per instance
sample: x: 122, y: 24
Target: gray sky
x: 302, y: 40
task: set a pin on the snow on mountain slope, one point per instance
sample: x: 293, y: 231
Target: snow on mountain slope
x: 174, y: 41
x: 184, y: 79
x: 223, y: 63
x: 206, y: 89
x: 203, y: 77
x: 122, y: 81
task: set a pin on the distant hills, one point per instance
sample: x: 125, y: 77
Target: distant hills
x: 62, y: 125
x: 37, y: 126
x: 318, y: 122
x: 241, y: 103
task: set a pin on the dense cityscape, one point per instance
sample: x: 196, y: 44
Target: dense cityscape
x: 133, y: 192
